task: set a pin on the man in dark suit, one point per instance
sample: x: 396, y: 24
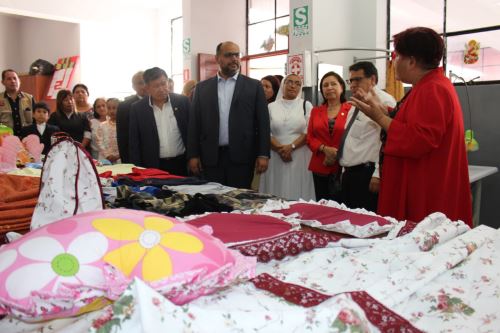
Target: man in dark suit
x: 40, y: 127
x: 229, y: 134
x: 158, y: 126
x: 123, y: 115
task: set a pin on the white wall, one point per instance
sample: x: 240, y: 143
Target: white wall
x: 209, y: 22
x: 342, y: 24
x: 350, y: 24
x: 46, y: 39
x: 116, y: 37
x: 9, y: 45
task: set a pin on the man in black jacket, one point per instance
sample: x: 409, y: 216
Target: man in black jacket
x: 229, y: 131
x: 158, y: 126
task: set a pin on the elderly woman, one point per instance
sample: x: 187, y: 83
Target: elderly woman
x: 324, y: 134
x: 424, y: 166
x: 271, y: 85
x: 75, y: 124
x: 287, y: 175
x: 81, y: 96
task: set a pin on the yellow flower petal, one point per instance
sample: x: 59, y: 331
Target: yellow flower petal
x: 182, y: 242
x: 160, y: 224
x: 156, y: 264
x: 118, y: 229
x: 126, y: 257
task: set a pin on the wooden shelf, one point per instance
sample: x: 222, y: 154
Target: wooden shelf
x: 38, y: 86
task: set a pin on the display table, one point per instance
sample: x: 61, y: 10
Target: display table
x: 476, y: 174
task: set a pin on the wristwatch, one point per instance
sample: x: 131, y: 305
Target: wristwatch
x: 293, y: 146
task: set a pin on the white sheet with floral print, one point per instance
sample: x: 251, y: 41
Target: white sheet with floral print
x: 451, y: 284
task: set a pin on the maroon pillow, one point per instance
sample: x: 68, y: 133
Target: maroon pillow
x: 262, y: 236
x: 237, y: 228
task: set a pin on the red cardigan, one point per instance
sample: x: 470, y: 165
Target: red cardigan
x: 425, y: 167
x: 318, y: 134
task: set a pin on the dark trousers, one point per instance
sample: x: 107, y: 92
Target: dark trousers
x: 229, y: 173
x: 175, y: 165
x: 355, y: 187
x: 324, y: 187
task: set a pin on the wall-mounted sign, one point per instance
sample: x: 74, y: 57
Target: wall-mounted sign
x: 296, y: 65
x: 300, y: 21
x: 63, y: 75
x: 186, y: 46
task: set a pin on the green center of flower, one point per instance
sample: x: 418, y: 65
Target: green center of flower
x: 65, y: 264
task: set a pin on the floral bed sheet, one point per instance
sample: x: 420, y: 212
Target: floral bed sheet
x: 441, y: 277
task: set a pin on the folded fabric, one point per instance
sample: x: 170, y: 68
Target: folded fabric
x: 19, y: 195
x: 331, y: 216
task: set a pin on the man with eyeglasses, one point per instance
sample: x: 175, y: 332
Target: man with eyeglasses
x: 229, y: 131
x: 359, y: 148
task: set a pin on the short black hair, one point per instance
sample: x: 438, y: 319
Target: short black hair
x: 4, y: 72
x: 368, y: 68
x: 42, y: 105
x: 422, y: 43
x: 154, y: 73
x: 80, y: 85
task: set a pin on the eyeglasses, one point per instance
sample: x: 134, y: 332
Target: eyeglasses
x: 293, y: 83
x: 232, y: 54
x: 355, y: 79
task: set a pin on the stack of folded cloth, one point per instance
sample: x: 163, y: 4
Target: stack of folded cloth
x: 17, y: 202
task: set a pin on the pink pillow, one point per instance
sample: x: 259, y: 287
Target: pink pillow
x: 77, y: 264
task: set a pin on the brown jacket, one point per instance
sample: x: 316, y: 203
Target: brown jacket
x: 25, y: 110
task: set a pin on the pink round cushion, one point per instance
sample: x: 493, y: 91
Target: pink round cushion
x: 77, y: 264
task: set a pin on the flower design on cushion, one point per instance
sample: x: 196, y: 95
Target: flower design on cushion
x: 53, y: 264
x: 7, y: 258
x: 148, y: 243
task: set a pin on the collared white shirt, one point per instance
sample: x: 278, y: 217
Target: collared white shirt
x: 225, y: 91
x: 363, y: 143
x: 169, y: 135
x: 41, y: 128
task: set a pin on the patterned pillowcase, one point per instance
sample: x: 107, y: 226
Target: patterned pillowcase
x: 80, y: 263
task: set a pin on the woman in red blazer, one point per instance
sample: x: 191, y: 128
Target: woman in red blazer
x: 324, y: 132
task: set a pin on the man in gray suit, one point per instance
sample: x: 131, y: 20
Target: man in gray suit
x: 123, y: 115
x: 158, y: 126
x: 229, y: 134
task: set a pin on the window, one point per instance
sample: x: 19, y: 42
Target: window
x: 481, y: 64
x: 271, y: 65
x: 267, y: 37
x: 467, y: 23
x: 267, y: 26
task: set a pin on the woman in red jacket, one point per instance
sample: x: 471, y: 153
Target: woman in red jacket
x: 324, y: 132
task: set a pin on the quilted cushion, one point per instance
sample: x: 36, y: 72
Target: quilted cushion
x: 80, y: 263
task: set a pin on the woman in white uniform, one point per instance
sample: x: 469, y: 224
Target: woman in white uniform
x: 287, y: 175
